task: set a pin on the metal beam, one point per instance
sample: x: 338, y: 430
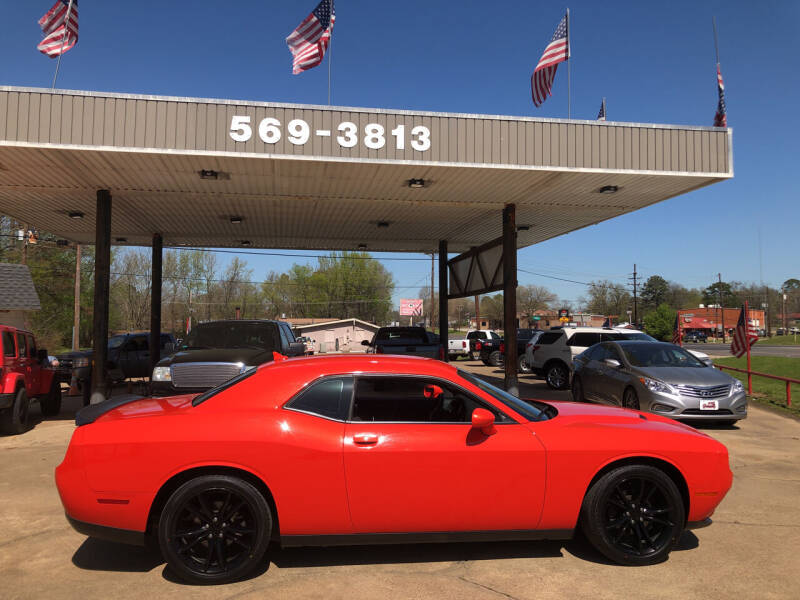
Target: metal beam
x: 102, y: 286
x: 443, y: 272
x: 510, y: 297
x: 155, y: 301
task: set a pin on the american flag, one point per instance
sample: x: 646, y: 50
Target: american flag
x: 310, y: 40
x: 60, y: 28
x: 744, y: 335
x: 676, y: 332
x: 721, y: 118
x: 601, y: 116
x: 557, y: 51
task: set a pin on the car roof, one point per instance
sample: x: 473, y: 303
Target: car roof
x: 365, y: 363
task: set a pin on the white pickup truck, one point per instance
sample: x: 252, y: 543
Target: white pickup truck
x: 466, y: 346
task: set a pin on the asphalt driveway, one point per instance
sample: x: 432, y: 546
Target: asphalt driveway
x: 749, y: 552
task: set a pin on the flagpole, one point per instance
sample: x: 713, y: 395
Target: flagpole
x: 330, y: 58
x: 747, y: 343
x: 569, y: 71
x: 716, y: 41
x: 63, y: 42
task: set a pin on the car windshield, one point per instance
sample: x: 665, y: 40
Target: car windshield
x: 659, y: 355
x: 494, y: 336
x: 638, y: 336
x: 232, y: 334
x: 533, y: 411
x: 116, y: 341
x: 403, y: 335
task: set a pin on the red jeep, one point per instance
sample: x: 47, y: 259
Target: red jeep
x: 24, y: 374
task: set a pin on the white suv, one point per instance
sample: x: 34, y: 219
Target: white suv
x: 551, y: 356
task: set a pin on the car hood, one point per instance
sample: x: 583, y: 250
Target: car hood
x: 75, y: 354
x: 707, y: 376
x: 247, y: 356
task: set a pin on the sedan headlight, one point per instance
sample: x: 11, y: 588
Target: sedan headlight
x: 657, y: 386
x: 80, y: 363
x: 162, y: 374
x: 737, y: 387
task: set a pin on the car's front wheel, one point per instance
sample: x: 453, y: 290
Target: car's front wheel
x: 14, y: 419
x: 633, y: 515
x: 214, y: 529
x: 51, y: 404
x: 556, y: 376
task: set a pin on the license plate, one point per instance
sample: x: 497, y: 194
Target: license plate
x: 709, y: 405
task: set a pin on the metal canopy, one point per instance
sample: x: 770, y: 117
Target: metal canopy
x: 58, y: 148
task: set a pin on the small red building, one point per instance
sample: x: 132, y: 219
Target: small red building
x: 712, y: 319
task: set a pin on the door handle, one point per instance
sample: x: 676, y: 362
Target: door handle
x: 365, y: 439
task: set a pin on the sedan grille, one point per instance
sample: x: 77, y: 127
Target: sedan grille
x: 705, y: 393
x: 203, y: 375
x: 706, y: 413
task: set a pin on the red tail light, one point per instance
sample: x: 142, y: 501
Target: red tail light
x: 535, y: 348
x: 464, y: 344
x: 477, y: 345
x: 502, y: 348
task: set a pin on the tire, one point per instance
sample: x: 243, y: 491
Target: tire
x: 51, y: 404
x: 630, y: 399
x: 452, y: 357
x: 15, y: 418
x: 495, y: 359
x: 235, y: 514
x: 556, y: 375
x: 633, y: 515
x: 577, y: 390
x: 522, y: 365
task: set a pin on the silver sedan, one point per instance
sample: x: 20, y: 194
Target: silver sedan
x: 657, y: 377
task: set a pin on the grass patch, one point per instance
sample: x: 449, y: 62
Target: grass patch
x: 768, y: 391
x: 780, y: 340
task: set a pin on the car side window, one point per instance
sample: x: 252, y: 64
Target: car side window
x: 31, y: 346
x: 472, y: 335
x: 23, y: 348
x: 9, y: 349
x: 584, y: 339
x: 284, y: 339
x: 289, y: 334
x: 414, y: 400
x: 142, y: 343
x: 592, y: 353
x: 549, y: 337
x: 329, y: 398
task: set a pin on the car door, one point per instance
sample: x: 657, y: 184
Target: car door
x: 413, y: 463
x: 34, y: 366
x: 589, y: 372
x: 127, y: 359
x: 606, y: 376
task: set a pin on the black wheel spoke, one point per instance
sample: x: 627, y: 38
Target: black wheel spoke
x: 618, y: 523
x: 236, y: 540
x: 193, y: 533
x: 186, y: 548
x: 240, y: 530
x: 207, y: 562
x: 641, y: 492
x: 664, y: 522
x: 621, y: 533
x: 223, y: 564
x: 204, y: 506
x: 232, y: 512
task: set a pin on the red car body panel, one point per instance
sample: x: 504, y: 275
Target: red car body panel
x: 331, y: 477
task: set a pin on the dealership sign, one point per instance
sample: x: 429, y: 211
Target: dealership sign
x: 411, y: 308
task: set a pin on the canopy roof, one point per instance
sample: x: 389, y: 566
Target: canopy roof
x: 322, y: 191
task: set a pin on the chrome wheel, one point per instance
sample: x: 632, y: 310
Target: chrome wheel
x: 557, y: 376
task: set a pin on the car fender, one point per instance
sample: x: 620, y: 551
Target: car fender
x: 12, y: 382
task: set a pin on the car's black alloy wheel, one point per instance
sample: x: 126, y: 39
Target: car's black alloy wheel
x: 214, y: 529
x: 630, y: 399
x: 633, y: 515
x: 557, y: 376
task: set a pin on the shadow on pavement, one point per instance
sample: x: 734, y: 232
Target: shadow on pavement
x: 580, y: 547
x: 99, y: 555
x: 411, y: 553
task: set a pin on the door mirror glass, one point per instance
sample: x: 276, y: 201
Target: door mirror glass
x: 484, y: 420
x: 613, y: 362
x: 297, y: 348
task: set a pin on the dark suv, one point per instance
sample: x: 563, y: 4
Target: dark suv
x: 128, y: 356
x: 217, y: 351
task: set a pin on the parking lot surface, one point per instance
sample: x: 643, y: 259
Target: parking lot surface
x: 751, y: 550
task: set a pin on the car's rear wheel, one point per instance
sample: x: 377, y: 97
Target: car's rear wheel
x: 556, y: 376
x: 51, y: 404
x: 495, y: 359
x: 15, y: 418
x: 452, y: 357
x: 214, y: 529
x: 522, y: 364
x: 630, y: 399
x: 577, y: 390
x: 633, y: 515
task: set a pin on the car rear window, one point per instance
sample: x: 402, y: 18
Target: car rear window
x: 584, y: 339
x: 548, y: 337
x: 329, y: 398
x: 403, y: 336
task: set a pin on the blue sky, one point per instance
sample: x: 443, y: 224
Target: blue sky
x: 654, y: 62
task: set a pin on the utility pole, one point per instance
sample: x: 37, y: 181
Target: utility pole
x: 24, y: 243
x: 635, y: 297
x: 76, y: 317
x: 478, y: 313
x: 721, y: 307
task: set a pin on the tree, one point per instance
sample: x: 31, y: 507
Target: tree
x: 532, y: 298
x: 655, y: 291
x: 791, y: 285
x: 660, y: 322
x: 492, y: 309
x: 720, y: 292
x: 607, y: 298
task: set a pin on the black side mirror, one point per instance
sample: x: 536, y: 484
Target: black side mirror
x: 41, y: 355
x: 297, y: 348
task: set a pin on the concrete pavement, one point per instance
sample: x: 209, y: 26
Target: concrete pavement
x: 749, y: 552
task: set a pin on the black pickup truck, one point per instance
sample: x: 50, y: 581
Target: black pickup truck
x: 415, y: 341
x: 492, y: 351
x: 217, y: 351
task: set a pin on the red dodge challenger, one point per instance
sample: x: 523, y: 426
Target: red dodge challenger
x: 380, y: 449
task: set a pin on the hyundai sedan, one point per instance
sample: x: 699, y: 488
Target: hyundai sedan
x: 379, y: 449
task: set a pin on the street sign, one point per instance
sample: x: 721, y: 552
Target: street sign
x: 537, y: 318
x: 410, y: 307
